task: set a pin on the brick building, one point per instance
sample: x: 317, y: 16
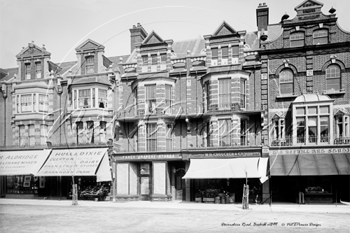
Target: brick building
x: 305, y: 87
x: 191, y: 119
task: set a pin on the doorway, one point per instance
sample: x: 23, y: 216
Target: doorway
x: 145, y: 181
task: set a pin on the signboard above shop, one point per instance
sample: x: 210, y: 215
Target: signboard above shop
x: 147, y: 157
x: 336, y: 150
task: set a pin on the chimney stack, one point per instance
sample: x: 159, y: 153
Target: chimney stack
x: 137, y: 35
x: 262, y: 16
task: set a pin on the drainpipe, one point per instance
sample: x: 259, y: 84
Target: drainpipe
x: 4, y: 95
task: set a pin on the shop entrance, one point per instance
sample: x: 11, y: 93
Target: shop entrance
x: 145, y: 181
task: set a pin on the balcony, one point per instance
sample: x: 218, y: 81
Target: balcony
x: 311, y: 140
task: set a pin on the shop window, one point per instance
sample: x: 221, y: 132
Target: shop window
x: 43, y: 134
x: 22, y: 184
x: 224, y: 93
x: 90, y: 63
x: 320, y: 36
x: 150, y: 98
x: 313, y: 124
x: 243, y: 93
x: 38, y: 69
x: 297, y: 39
x: 43, y: 103
x: 27, y: 70
x: 286, y: 82
x: 168, y: 94
x: 224, y: 132
x: 151, y: 137
x: 333, y: 78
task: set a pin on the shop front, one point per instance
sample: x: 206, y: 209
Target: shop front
x: 17, y: 170
x: 88, y: 168
x: 150, y: 177
x: 219, y: 176
x: 310, y: 175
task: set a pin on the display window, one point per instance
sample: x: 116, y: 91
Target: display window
x: 22, y: 184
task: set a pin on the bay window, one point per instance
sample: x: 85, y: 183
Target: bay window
x: 43, y: 103
x: 313, y: 124
x: 243, y: 84
x: 27, y: 103
x: 90, y: 98
x: 168, y: 92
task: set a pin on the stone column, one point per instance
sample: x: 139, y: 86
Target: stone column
x: 122, y: 181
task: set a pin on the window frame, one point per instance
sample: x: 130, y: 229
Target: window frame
x: 150, y: 102
x: 329, y: 72
x: 27, y: 70
x: 224, y: 93
x: 38, y: 69
x: 94, y: 99
x: 295, y: 41
x: 243, y: 95
x: 316, y: 37
x: 90, y: 64
x: 224, y: 134
x: 282, y: 82
x: 151, y: 137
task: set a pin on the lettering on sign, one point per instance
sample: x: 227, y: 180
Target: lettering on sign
x: 311, y: 151
x: 225, y: 155
x: 148, y: 156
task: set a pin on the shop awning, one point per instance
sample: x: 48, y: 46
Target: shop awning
x: 78, y: 162
x: 227, y: 168
x: 310, y: 165
x: 22, y: 162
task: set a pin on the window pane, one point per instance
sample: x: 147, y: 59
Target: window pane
x: 224, y: 93
x: 300, y: 111
x: 235, y: 50
x: 85, y: 98
x: 286, y: 81
x: 214, y: 53
x: 312, y: 121
x: 163, y: 58
x: 324, y: 109
x: 145, y: 60
x: 154, y: 59
x: 224, y: 51
x: 333, y: 77
x: 312, y: 110
x: 102, y: 98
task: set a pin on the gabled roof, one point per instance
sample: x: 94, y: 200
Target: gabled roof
x: 89, y: 45
x: 314, y: 3
x: 195, y: 46
x: 224, y: 29
x: 152, y: 38
x: 32, y: 50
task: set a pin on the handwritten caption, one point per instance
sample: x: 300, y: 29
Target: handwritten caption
x: 270, y: 224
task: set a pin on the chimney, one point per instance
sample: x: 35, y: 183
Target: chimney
x: 262, y: 16
x: 137, y: 35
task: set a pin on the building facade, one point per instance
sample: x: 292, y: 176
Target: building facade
x: 228, y: 100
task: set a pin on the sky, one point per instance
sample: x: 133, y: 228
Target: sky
x: 62, y: 25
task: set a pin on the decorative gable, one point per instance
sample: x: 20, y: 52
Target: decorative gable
x: 89, y: 45
x: 224, y: 29
x: 33, y: 51
x: 308, y: 6
x: 153, y: 38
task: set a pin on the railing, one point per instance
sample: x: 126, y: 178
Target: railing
x: 311, y: 140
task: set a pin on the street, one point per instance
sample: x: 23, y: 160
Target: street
x: 91, y: 216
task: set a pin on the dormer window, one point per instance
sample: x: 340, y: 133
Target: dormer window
x: 145, y: 60
x: 224, y: 52
x: 154, y: 59
x: 27, y: 70
x: 297, y: 39
x: 320, y: 36
x: 38, y: 69
x: 163, y: 58
x: 90, y: 64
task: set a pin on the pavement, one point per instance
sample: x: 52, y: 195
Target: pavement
x: 275, y: 207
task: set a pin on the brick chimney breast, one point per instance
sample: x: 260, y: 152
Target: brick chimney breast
x: 137, y: 35
x: 262, y: 16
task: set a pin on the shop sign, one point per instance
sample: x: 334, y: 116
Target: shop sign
x: 82, y: 162
x: 224, y: 155
x: 147, y: 157
x: 311, y: 151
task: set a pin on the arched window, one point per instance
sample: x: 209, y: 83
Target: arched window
x: 286, y: 82
x: 297, y: 39
x: 320, y: 36
x: 333, y: 81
